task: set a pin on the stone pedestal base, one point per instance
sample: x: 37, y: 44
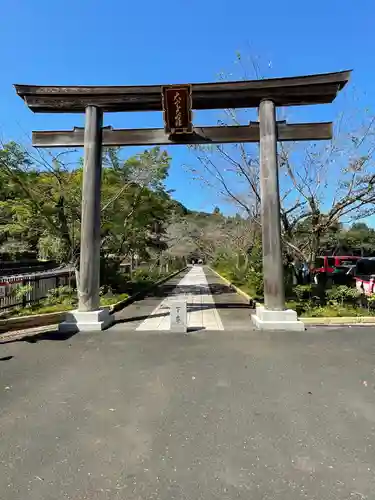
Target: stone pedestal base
x: 92, y: 321
x: 265, y: 319
x: 178, y: 316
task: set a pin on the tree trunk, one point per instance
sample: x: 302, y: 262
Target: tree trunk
x: 246, y: 260
x: 64, y: 231
x: 315, y: 245
x: 131, y: 265
x: 160, y: 264
x: 238, y: 263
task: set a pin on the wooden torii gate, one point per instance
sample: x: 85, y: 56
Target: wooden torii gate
x: 177, y: 102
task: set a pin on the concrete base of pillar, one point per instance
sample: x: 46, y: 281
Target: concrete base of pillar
x: 92, y: 321
x: 265, y: 319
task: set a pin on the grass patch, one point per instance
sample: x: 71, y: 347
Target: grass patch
x: 240, y: 283
x: 305, y: 310
x: 42, y: 308
x: 108, y: 301
x: 329, y: 311
x: 35, y: 309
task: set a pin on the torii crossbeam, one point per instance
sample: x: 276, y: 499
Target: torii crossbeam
x: 177, y: 103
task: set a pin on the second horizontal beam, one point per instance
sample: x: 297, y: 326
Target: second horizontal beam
x: 201, y: 135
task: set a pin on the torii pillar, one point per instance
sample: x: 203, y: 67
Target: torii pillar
x: 90, y: 316
x: 273, y: 315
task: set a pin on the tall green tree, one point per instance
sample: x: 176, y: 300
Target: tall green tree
x: 40, y: 202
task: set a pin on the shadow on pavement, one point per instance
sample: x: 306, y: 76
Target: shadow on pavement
x: 193, y: 329
x: 139, y: 318
x: 37, y: 337
x: 6, y: 358
x: 213, y: 289
x: 190, y: 307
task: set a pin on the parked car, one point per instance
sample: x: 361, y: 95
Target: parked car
x: 364, y: 275
x: 325, y: 265
x: 343, y: 275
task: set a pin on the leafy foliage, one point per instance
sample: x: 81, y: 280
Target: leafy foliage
x: 340, y: 294
x: 40, y: 203
x: 65, y: 295
x: 22, y: 291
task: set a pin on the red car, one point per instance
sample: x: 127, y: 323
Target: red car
x: 327, y: 264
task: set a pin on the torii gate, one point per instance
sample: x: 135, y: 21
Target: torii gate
x: 177, y: 101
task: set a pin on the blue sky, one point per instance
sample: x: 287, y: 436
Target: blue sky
x: 147, y: 42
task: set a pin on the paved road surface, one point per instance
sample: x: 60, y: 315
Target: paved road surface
x: 233, y: 413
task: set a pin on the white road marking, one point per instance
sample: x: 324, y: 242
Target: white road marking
x: 202, y: 312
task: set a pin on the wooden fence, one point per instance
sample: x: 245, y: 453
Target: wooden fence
x: 14, y: 268
x: 41, y: 283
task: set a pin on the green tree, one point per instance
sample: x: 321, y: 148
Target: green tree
x: 40, y: 202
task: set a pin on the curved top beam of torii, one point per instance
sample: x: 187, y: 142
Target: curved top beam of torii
x: 292, y: 91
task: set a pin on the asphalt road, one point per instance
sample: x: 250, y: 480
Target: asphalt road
x: 127, y: 414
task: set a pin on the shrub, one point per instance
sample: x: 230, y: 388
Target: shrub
x: 255, y: 270
x: 370, y: 302
x: 65, y: 295
x: 342, y: 293
x: 303, y: 292
x: 309, y: 292
x: 143, y: 274
x: 22, y: 291
x: 255, y: 283
x: 238, y: 276
x: 110, y: 275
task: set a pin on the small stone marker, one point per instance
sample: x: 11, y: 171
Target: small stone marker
x: 178, y: 316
